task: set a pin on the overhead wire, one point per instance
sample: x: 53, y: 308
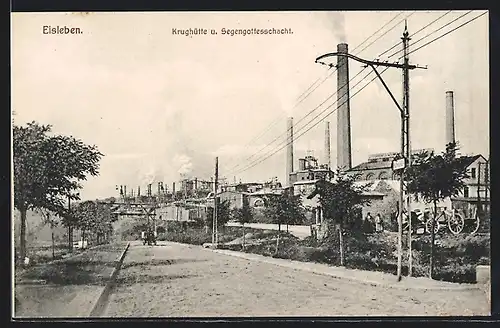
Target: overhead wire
x: 310, y: 112
x: 300, y: 120
x: 324, y: 79
x: 407, y: 16
x: 427, y: 35
x: 414, y: 50
x: 308, y: 129
x: 412, y: 35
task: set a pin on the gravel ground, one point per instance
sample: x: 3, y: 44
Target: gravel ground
x: 65, y: 288
x: 186, y: 281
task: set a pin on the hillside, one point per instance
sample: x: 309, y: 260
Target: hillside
x: 36, y: 232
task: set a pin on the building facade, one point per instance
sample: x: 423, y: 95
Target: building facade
x: 378, y: 167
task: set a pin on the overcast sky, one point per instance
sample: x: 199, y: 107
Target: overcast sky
x: 160, y: 105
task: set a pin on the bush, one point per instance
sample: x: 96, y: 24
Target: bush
x: 189, y: 236
x: 455, y: 256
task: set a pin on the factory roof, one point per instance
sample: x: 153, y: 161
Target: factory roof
x: 266, y: 191
x: 372, y: 166
x: 303, y: 182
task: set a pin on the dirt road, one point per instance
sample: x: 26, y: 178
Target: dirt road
x: 173, y: 280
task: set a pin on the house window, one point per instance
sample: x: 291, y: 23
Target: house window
x: 473, y: 173
x: 466, y: 191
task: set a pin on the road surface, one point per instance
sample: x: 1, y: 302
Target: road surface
x: 175, y: 280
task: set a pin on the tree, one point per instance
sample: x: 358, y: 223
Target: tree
x: 341, y: 201
x: 51, y: 220
x: 94, y: 219
x: 243, y: 215
x: 47, y: 171
x: 223, y: 214
x: 284, y: 208
x: 434, y: 178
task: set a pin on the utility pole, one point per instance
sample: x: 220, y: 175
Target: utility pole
x: 405, y: 137
x: 214, y: 228
x: 405, y: 146
x: 70, y: 239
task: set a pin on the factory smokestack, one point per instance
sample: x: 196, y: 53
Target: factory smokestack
x: 343, y: 110
x: 289, y: 151
x: 450, y: 118
x: 173, y: 188
x: 327, y: 159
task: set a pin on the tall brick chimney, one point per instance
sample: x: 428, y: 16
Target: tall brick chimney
x: 343, y: 110
x: 450, y: 118
x: 289, y: 151
x: 327, y: 159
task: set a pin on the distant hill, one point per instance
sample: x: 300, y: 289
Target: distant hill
x: 36, y: 232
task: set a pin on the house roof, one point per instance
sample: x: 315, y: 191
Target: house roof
x: 468, y: 160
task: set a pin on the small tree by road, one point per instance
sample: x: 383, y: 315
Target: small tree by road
x: 341, y: 201
x: 223, y: 214
x: 284, y: 208
x: 243, y: 215
x: 94, y: 219
x: 435, y: 178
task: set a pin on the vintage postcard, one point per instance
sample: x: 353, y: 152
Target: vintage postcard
x: 250, y: 164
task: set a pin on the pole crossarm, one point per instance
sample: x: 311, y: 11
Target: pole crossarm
x: 365, y: 61
x: 373, y: 65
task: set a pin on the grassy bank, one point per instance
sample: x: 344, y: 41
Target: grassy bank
x: 90, y: 267
x: 456, y: 256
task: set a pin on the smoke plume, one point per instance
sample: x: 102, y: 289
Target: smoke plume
x: 183, y: 164
x: 335, y: 20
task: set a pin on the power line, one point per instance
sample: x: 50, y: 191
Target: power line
x: 387, y: 31
x: 414, y: 50
x: 353, y: 78
x: 295, y: 138
x: 310, y: 112
x: 421, y: 29
x: 450, y: 31
x: 377, y: 32
x: 426, y: 36
x: 281, y: 116
x: 257, y: 160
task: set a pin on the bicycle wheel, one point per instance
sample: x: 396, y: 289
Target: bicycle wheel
x: 456, y: 224
x: 475, y: 225
x: 428, y: 226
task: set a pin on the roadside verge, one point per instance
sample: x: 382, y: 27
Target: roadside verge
x: 68, y: 288
x: 101, y: 302
x: 373, y: 278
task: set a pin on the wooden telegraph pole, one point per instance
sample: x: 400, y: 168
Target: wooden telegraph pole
x: 405, y: 127
x: 214, y: 227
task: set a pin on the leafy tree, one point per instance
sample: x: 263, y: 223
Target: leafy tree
x: 341, y: 201
x: 52, y: 221
x: 284, y: 208
x: 223, y: 214
x: 243, y: 215
x: 434, y: 178
x: 47, y: 171
x: 94, y: 219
